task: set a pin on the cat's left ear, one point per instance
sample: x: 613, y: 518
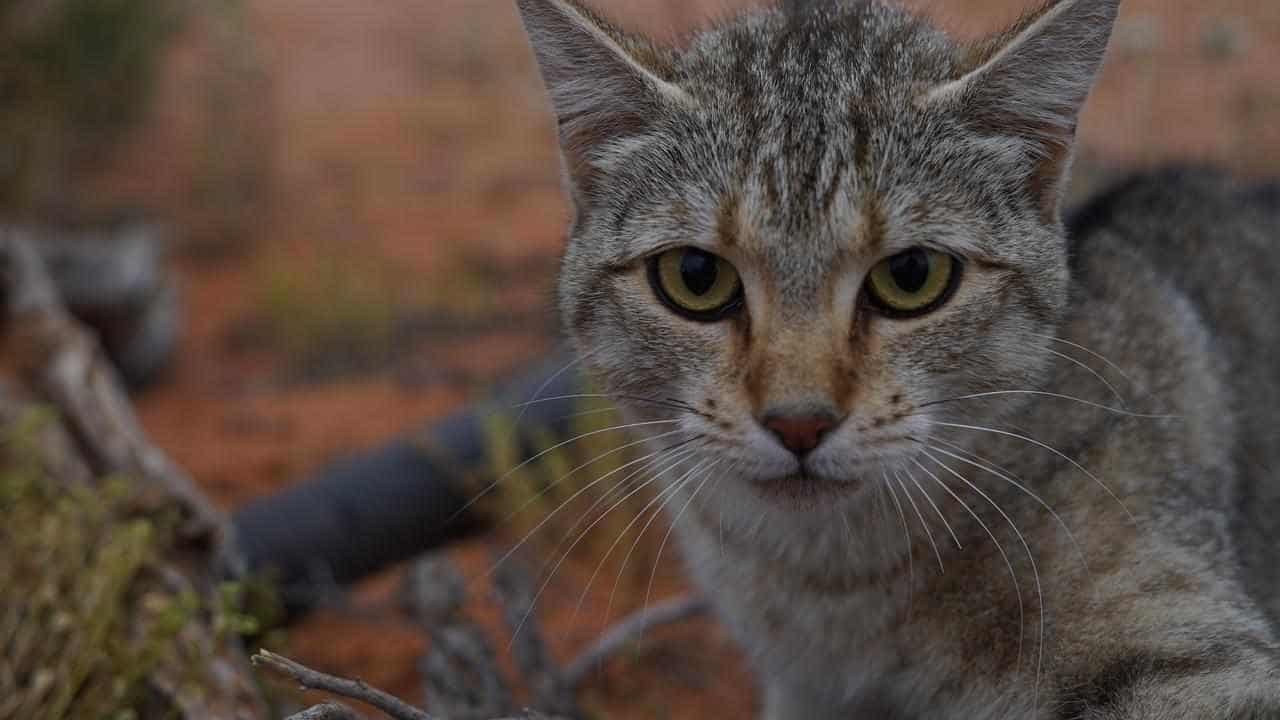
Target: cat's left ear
x: 1030, y: 82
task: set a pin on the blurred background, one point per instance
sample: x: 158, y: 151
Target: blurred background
x: 358, y: 203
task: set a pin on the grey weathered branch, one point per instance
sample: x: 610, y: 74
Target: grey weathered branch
x: 390, y: 705
x: 393, y: 706
x: 65, y: 363
x: 327, y: 711
x: 112, y: 278
x: 550, y: 692
x: 61, y: 364
x: 628, y: 631
x: 460, y: 670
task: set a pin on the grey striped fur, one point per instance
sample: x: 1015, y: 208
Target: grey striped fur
x: 1055, y: 493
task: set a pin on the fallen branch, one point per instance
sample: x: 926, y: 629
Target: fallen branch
x: 393, y: 706
x: 628, y: 631
x: 65, y: 362
x: 550, y: 692
x: 390, y: 705
x: 460, y: 670
x: 61, y: 364
x: 327, y: 711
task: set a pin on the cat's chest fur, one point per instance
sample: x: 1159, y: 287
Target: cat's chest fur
x: 852, y: 643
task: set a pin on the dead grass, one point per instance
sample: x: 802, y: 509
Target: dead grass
x: 349, y: 310
x: 330, y: 315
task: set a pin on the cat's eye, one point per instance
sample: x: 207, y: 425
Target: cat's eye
x: 696, y: 284
x: 913, y: 282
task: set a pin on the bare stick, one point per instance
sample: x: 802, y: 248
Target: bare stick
x: 628, y: 631
x: 327, y: 711
x: 68, y: 366
x: 460, y: 670
x: 61, y: 362
x: 550, y: 692
x: 354, y: 689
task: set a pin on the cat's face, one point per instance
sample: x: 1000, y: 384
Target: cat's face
x: 795, y: 234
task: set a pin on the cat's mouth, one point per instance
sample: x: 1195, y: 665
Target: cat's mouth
x: 804, y: 487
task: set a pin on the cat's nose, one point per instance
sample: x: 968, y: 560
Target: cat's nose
x: 800, y: 433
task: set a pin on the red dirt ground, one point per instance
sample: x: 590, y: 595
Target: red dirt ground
x: 416, y: 131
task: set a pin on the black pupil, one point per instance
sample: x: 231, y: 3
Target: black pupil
x: 699, y: 270
x: 910, y: 269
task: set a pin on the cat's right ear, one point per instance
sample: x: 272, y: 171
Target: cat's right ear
x: 605, y: 85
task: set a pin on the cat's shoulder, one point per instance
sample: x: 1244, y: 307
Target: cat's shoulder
x: 1179, y: 189
x: 1171, y: 205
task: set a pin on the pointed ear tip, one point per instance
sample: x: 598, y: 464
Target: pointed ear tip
x: 541, y: 8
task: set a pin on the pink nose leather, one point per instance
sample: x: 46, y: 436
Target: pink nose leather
x: 799, y: 433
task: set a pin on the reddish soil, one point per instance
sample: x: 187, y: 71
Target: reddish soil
x: 416, y: 132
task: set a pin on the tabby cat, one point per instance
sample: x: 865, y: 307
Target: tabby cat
x: 931, y: 451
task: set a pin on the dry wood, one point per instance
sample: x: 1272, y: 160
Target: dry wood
x: 393, y: 706
x: 550, y: 692
x: 390, y: 705
x: 460, y: 670
x: 327, y: 711
x: 628, y: 631
x: 63, y: 365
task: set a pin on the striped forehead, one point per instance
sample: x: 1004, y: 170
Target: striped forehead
x: 797, y: 240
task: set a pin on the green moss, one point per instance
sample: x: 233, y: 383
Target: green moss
x: 85, y: 617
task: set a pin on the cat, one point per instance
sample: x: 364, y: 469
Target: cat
x: 931, y: 451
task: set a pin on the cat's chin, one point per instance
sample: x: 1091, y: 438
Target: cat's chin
x: 804, y: 490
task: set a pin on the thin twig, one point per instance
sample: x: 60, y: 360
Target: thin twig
x: 550, y: 693
x: 355, y: 689
x: 327, y: 711
x: 460, y: 670
x: 628, y: 631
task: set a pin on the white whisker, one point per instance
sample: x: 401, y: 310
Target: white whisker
x: 567, y: 552
x: 1017, y: 587
x: 1003, y: 475
x: 923, y: 524
x: 911, y: 569
x: 582, y: 436
x: 673, y: 458
x: 542, y: 493
x: 1042, y: 393
x: 706, y: 477
x: 1091, y: 371
x: 547, y: 383
x: 1035, y: 572
x: 1051, y: 449
x: 668, y: 493
x: 1097, y: 355
x: 928, y: 498
x: 546, y: 519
